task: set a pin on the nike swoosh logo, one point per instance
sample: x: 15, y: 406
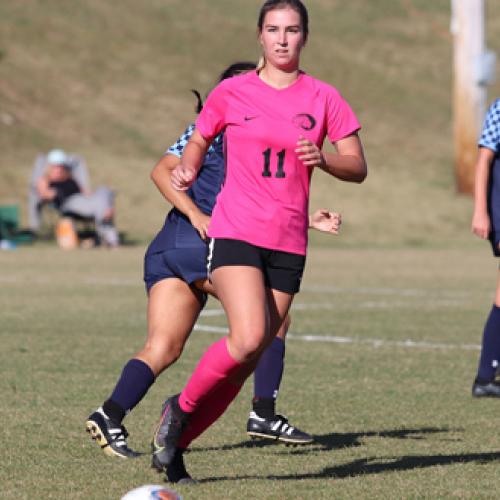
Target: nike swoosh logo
x: 248, y: 118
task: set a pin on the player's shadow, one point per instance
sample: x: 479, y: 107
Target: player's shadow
x: 334, y: 440
x: 376, y: 465
x: 364, y: 466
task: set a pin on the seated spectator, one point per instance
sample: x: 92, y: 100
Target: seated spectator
x: 58, y: 186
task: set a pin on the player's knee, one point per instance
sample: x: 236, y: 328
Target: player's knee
x: 248, y: 346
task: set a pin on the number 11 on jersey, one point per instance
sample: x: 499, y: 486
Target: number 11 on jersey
x: 280, y: 172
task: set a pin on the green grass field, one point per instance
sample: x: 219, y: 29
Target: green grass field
x: 384, y: 342
x: 389, y: 406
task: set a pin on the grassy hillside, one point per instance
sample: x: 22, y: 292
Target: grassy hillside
x: 111, y: 80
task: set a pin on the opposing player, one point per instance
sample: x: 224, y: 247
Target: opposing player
x: 486, y: 225
x: 274, y: 122
x: 176, y: 281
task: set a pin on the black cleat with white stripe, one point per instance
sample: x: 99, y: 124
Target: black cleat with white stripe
x: 276, y: 428
x: 111, y: 437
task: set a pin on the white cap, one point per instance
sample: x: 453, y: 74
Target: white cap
x: 57, y: 157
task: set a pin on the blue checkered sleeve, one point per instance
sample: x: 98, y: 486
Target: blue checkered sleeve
x: 177, y: 148
x: 490, y: 136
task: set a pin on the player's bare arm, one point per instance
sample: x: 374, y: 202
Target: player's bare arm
x: 161, y: 175
x: 192, y: 159
x: 481, y: 224
x: 348, y: 164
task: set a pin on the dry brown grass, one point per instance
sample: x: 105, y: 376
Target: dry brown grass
x: 111, y: 80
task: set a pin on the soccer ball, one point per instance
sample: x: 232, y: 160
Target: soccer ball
x: 152, y: 492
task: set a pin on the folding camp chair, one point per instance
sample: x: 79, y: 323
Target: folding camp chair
x: 43, y: 215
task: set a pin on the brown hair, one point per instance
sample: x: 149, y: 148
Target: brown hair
x: 296, y: 5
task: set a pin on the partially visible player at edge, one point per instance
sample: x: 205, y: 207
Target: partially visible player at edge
x: 486, y: 225
x: 274, y: 121
x: 176, y: 281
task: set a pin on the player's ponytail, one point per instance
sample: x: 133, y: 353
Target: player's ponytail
x: 199, y: 104
x: 234, y: 69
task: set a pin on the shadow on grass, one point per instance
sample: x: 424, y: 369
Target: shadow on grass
x: 375, y: 465
x: 335, y: 441
x: 351, y: 439
x: 364, y: 466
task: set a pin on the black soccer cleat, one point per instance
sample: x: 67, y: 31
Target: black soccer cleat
x: 111, y: 437
x: 491, y: 390
x: 172, y: 423
x: 277, y: 429
x: 175, y: 472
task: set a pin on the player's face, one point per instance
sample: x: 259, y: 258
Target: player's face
x: 282, y: 38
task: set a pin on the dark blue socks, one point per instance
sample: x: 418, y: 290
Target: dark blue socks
x: 490, y: 350
x: 135, y: 381
x: 267, y: 378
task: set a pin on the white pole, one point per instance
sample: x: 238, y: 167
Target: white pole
x: 469, y: 89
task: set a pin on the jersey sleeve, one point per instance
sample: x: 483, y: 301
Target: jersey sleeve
x: 177, y: 148
x: 341, y: 120
x: 490, y: 136
x: 212, y: 118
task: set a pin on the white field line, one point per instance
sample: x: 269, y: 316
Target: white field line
x: 297, y: 307
x: 336, y: 339
x: 350, y: 340
x: 367, y: 304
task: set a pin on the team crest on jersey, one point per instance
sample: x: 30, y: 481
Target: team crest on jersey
x: 304, y: 121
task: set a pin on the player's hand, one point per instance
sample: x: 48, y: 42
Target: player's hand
x: 325, y: 221
x: 309, y: 153
x: 481, y: 225
x: 200, y: 222
x: 182, y: 177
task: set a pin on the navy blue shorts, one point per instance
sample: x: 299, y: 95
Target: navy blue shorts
x: 176, y: 252
x: 187, y: 264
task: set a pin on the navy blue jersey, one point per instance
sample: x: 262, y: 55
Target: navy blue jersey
x: 490, y: 138
x: 205, y: 189
x: 177, y: 231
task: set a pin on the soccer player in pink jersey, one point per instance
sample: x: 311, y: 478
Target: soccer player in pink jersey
x: 274, y: 120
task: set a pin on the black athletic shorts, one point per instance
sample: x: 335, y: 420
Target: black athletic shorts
x: 282, y: 270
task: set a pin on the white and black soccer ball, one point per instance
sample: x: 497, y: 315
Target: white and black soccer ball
x: 152, y: 492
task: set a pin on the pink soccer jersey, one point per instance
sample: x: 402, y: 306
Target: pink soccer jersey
x: 264, y: 199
